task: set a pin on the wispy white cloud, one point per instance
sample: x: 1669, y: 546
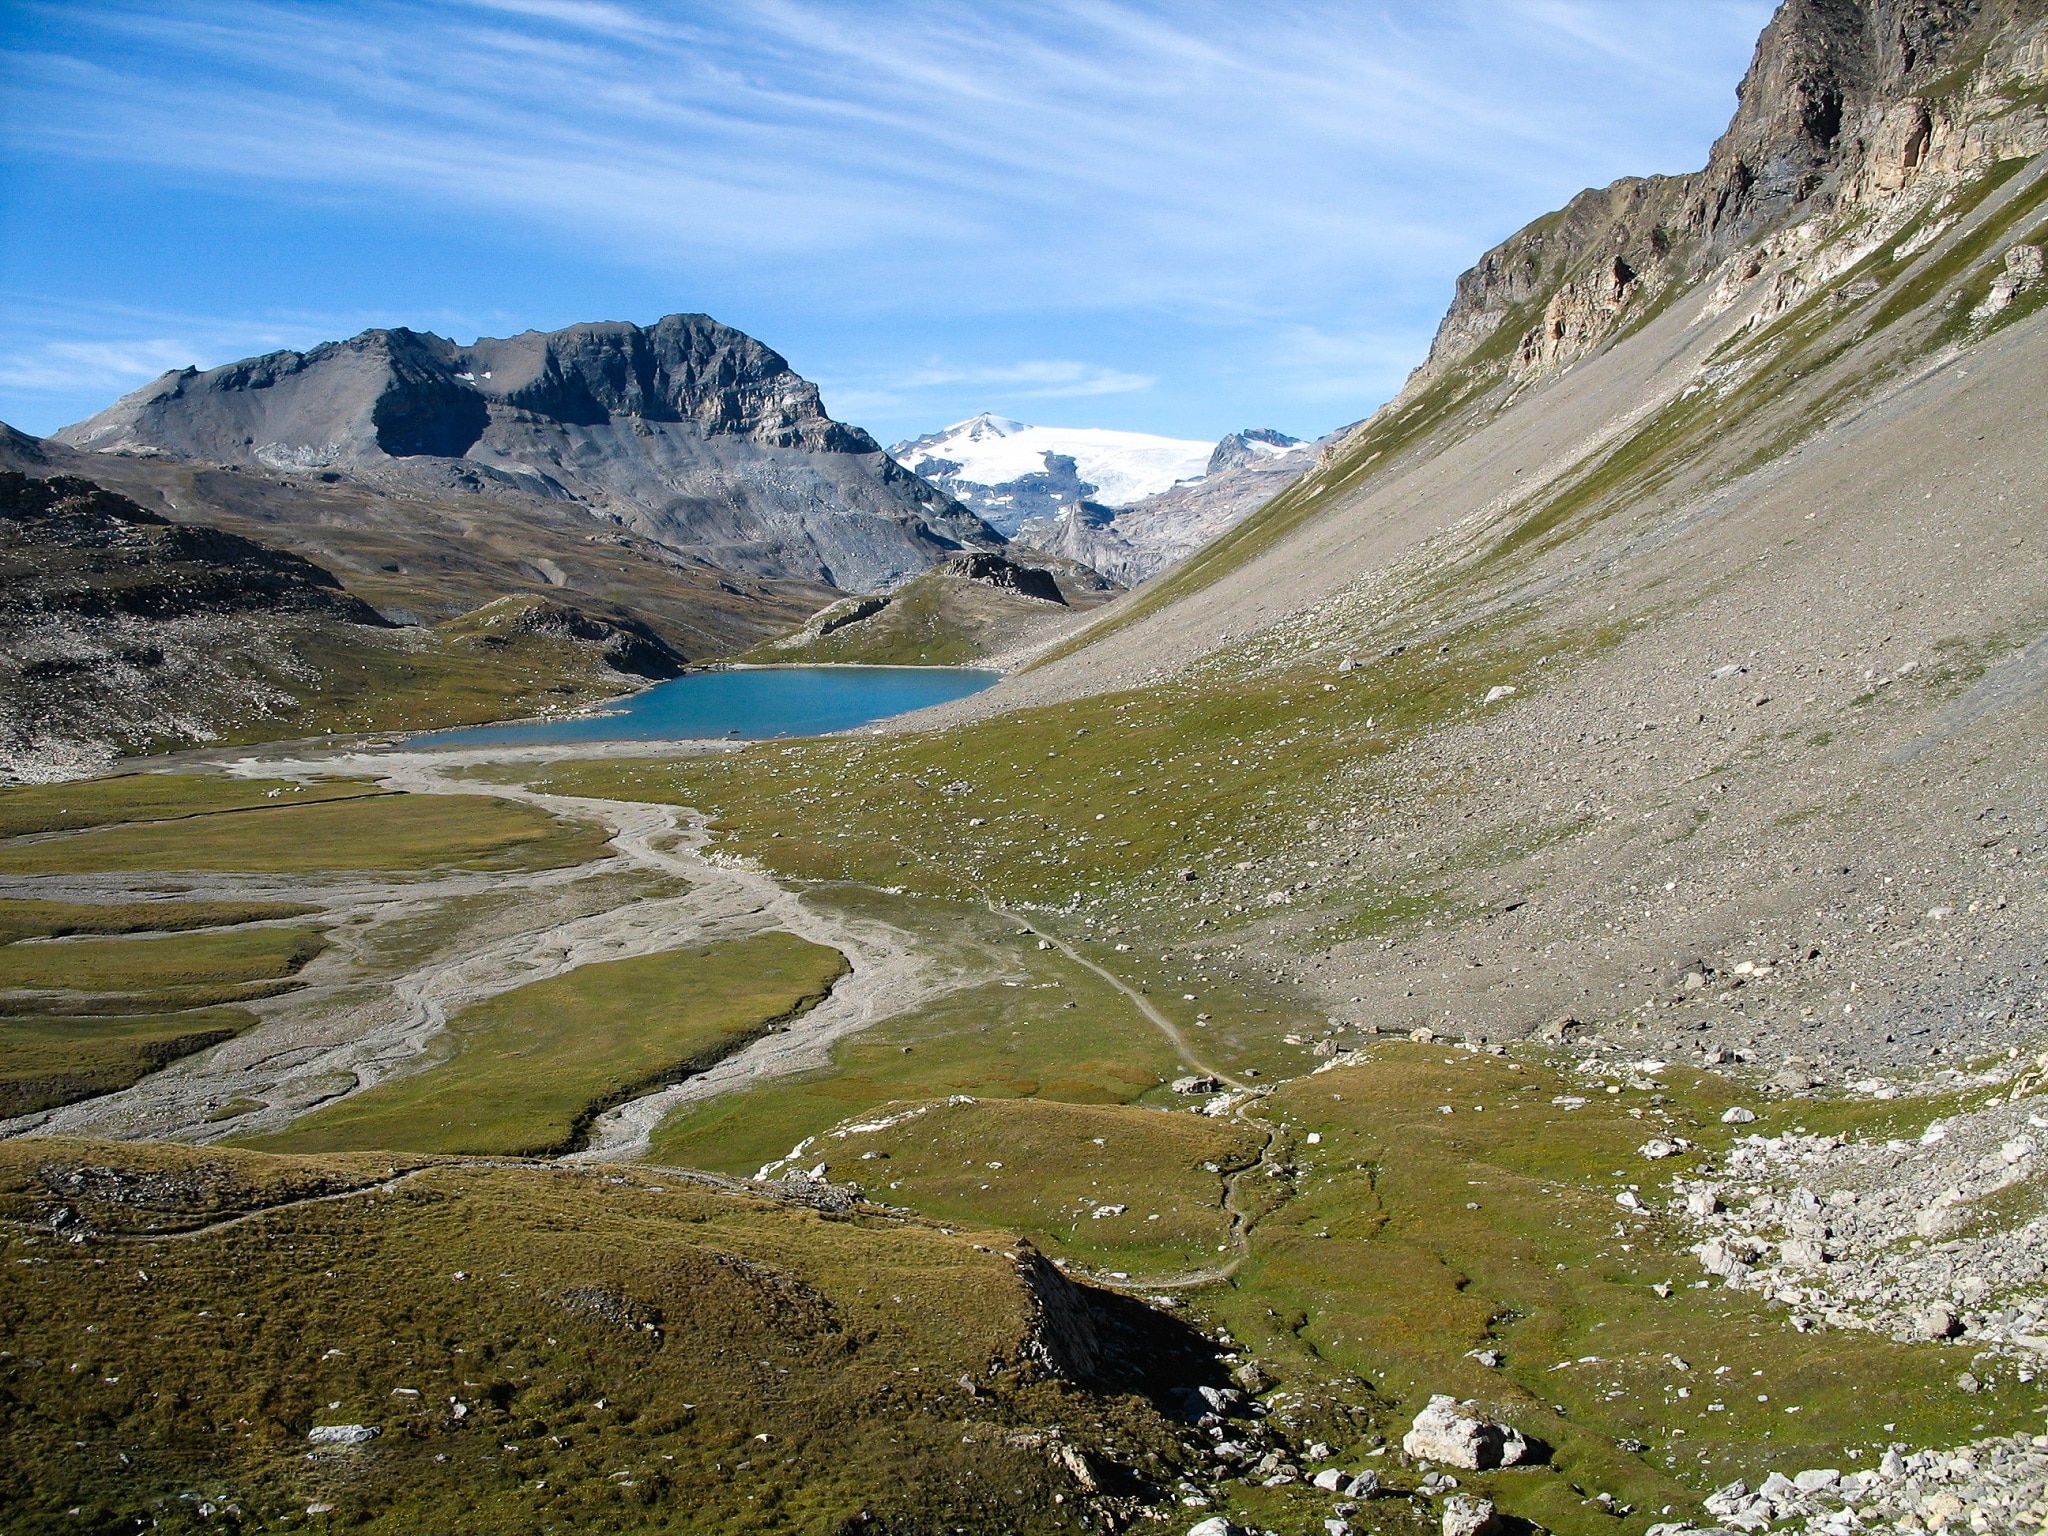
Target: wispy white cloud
x: 921, y: 391
x: 1046, y: 379
x: 1197, y: 163
x: 91, y: 365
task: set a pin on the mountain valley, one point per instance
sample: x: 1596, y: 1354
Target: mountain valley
x: 1480, y: 974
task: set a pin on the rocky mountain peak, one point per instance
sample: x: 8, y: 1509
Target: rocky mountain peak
x: 690, y: 432
x: 683, y: 368
x: 1254, y: 445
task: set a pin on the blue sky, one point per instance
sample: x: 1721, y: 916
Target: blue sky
x: 1179, y: 217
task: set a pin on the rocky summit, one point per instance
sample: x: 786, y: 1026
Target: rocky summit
x: 686, y: 431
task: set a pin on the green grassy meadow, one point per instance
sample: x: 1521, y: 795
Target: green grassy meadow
x: 540, y: 1349
x: 156, y: 797
x: 385, y: 832
x: 160, y: 964
x: 525, y: 1071
x: 29, y: 918
x: 47, y: 1060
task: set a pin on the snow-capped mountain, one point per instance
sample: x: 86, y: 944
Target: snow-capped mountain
x: 1137, y: 541
x: 1007, y: 471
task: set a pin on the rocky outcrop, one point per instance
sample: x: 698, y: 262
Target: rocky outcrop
x: 623, y: 644
x: 67, y: 546
x: 687, y: 431
x: 1005, y: 575
x: 1848, y: 105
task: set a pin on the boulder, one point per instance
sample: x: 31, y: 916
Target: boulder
x: 1801, y: 1253
x: 1729, y: 1260
x: 1936, y: 1323
x: 1442, y: 1433
x: 1465, y: 1515
x: 342, y: 1434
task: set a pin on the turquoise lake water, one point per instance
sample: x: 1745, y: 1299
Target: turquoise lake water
x: 746, y: 704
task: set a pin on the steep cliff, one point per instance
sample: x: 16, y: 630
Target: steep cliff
x: 1851, y: 108
x: 687, y: 432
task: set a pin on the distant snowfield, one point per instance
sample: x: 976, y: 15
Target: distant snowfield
x: 1122, y: 466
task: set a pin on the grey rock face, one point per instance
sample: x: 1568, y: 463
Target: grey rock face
x: 1828, y: 114
x: 687, y: 431
x: 995, y: 571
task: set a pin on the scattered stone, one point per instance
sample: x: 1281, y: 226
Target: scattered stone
x: 1738, y: 1116
x: 1657, y: 1148
x: 1492, y: 1359
x: 1495, y: 695
x: 343, y: 1434
x: 1801, y: 1253
x: 1442, y: 1434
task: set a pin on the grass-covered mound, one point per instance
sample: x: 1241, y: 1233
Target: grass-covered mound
x: 30, y: 918
x: 93, y: 1015
x: 527, y: 1070
x: 539, y: 1349
x: 186, y: 827
x: 49, y: 1060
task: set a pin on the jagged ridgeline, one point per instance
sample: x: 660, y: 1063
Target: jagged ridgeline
x: 687, y: 432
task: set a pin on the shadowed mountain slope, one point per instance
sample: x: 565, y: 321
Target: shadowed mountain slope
x: 686, y: 432
x: 122, y: 631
